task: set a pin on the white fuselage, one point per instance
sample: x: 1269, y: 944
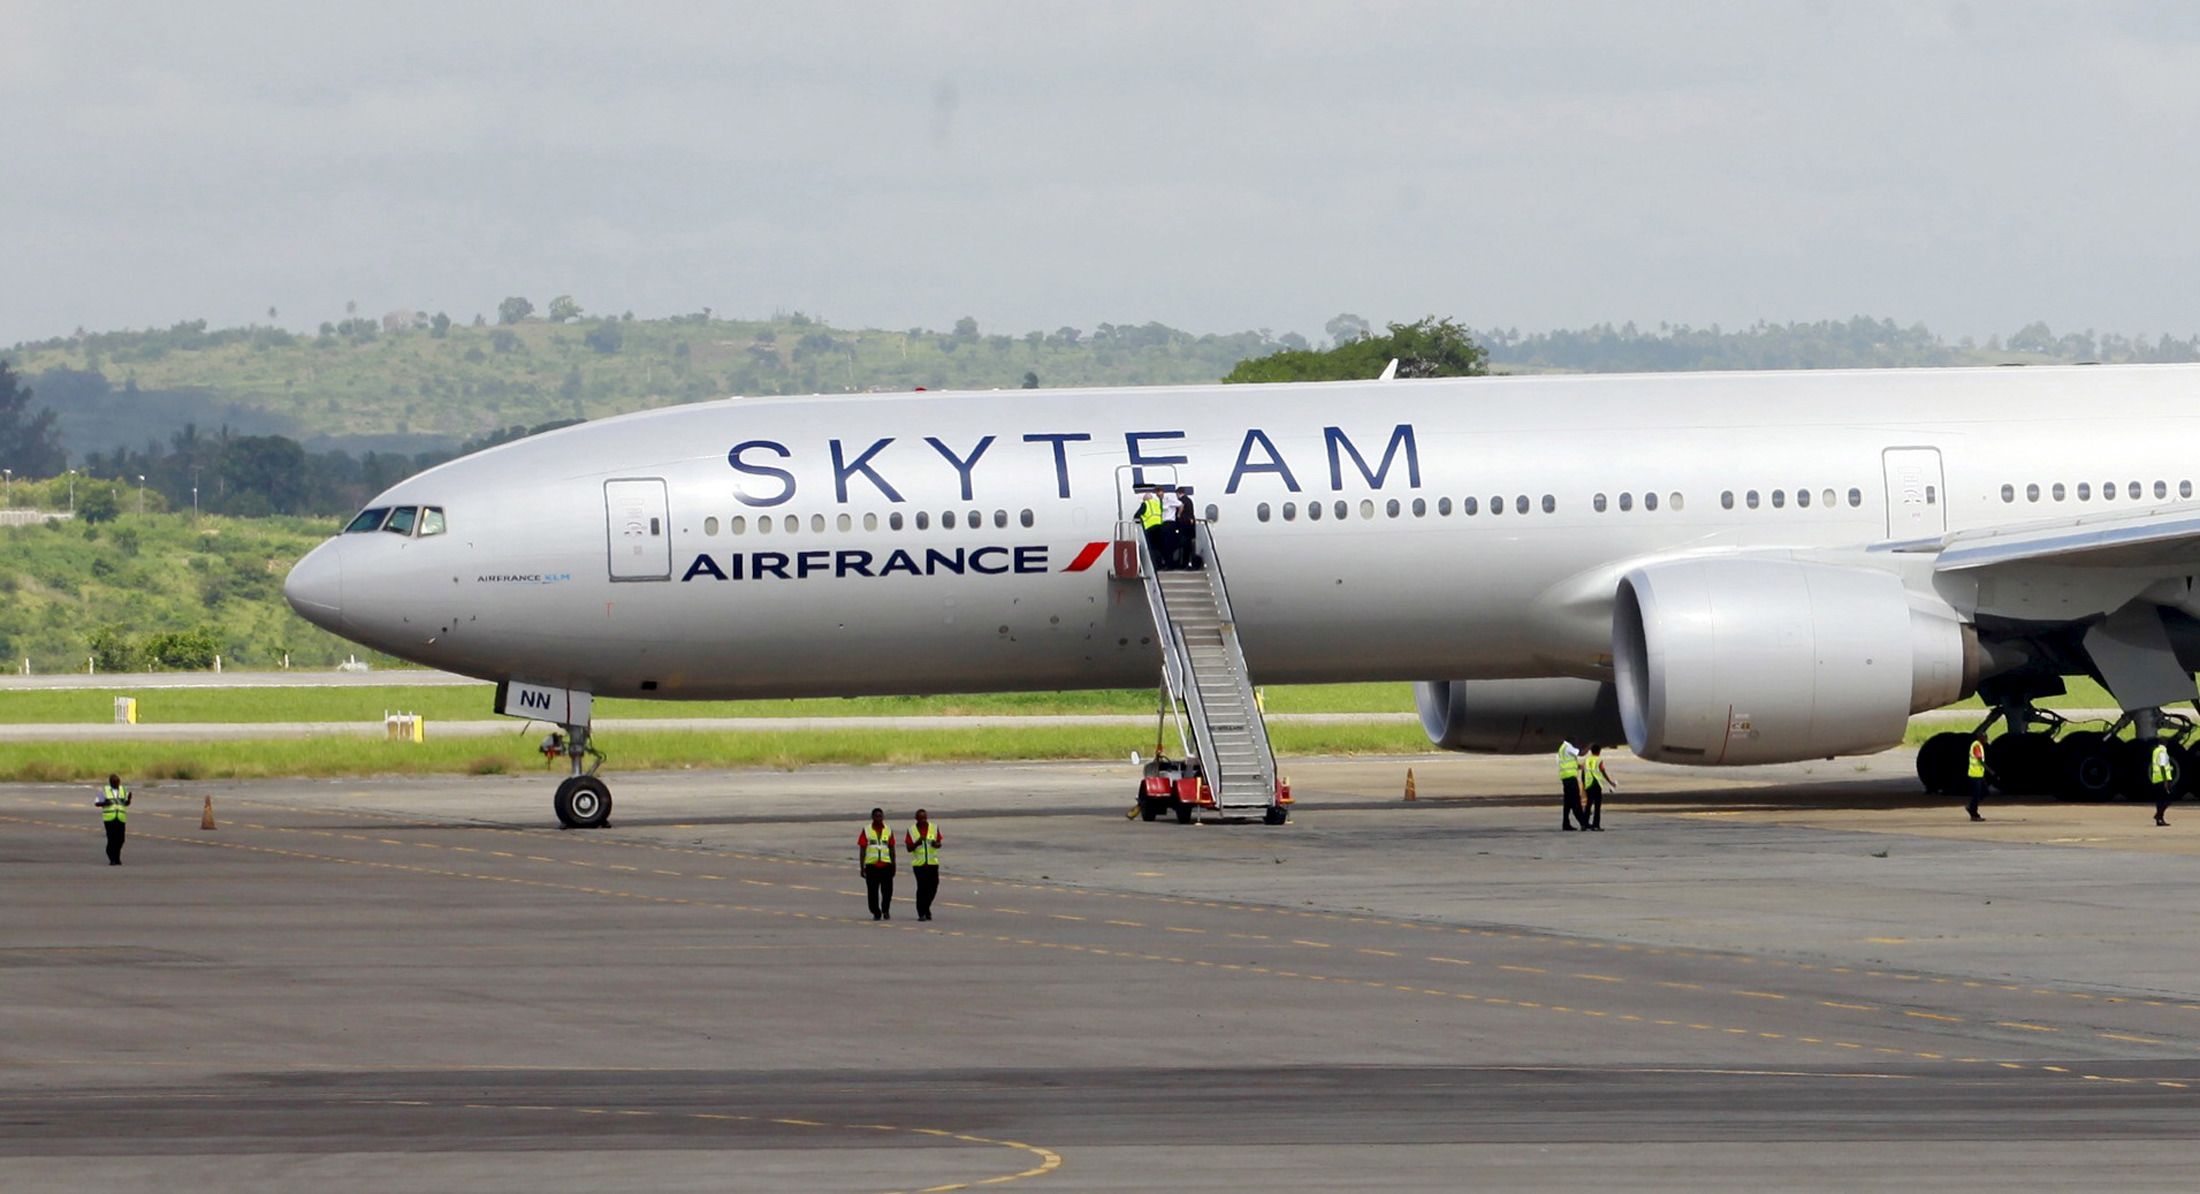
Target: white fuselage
x: 1394, y: 581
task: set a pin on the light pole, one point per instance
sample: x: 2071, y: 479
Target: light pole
x: 72, y: 493
x: 194, y: 496
x: 141, y: 493
x: 9, y: 487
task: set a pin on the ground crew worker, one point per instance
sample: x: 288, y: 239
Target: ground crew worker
x: 114, y: 813
x: 1974, y: 769
x: 1155, y: 524
x: 923, y: 840
x: 875, y: 850
x: 1186, y: 531
x: 1569, y: 785
x: 2163, y: 772
x: 1595, y: 780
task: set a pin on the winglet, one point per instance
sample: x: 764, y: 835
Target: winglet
x: 1390, y: 371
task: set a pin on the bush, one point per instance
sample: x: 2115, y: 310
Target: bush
x: 113, y: 650
x: 183, y: 650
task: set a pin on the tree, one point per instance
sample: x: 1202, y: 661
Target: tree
x: 440, y: 326
x: 29, y: 442
x: 1346, y: 328
x: 514, y: 309
x: 1431, y: 347
x: 113, y: 650
x: 1031, y: 379
x: 563, y: 308
x: 605, y: 337
x: 183, y: 650
x: 98, y: 503
x: 504, y: 340
x: 966, y: 328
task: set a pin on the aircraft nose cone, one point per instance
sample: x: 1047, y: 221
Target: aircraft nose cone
x: 315, y: 587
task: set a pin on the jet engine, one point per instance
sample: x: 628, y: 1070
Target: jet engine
x: 1734, y: 661
x: 1517, y: 717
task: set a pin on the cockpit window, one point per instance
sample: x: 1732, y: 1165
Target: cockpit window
x: 370, y: 519
x: 431, y: 521
x: 401, y: 520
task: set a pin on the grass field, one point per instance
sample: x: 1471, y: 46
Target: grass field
x: 637, y: 751
x: 472, y: 703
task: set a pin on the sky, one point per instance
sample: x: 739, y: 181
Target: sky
x: 1974, y: 165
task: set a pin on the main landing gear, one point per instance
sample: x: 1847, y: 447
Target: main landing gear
x: 582, y: 801
x: 2041, y: 755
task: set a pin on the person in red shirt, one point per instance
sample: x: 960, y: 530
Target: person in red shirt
x: 875, y: 855
x: 923, y: 843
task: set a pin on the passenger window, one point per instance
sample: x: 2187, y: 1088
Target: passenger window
x: 1626, y: 501
x: 2032, y: 493
x: 1000, y: 519
x: 2134, y: 491
x: 2108, y: 491
x: 1520, y: 504
x: 1550, y: 504
x: 792, y: 524
x: 1751, y: 499
x: 1025, y: 518
x: 2161, y: 489
x: 2085, y: 491
x: 1367, y: 507
x: 1597, y: 503
x: 1443, y: 507
x: 401, y: 520
x: 710, y: 527
x: 431, y: 521
x: 1802, y: 498
x: 1391, y: 508
x: 1420, y: 507
x: 924, y: 520
x: 2056, y: 491
x: 1290, y: 511
x: 2184, y: 489
x: 977, y: 520
x: 1649, y: 501
x: 1726, y: 500
x: 1261, y: 512
x: 947, y: 520
x: 1856, y: 497
x: 1313, y: 511
x: 1779, y: 498
x: 1214, y: 512
x: 870, y: 522
x: 763, y: 524
x: 1674, y: 501
x: 1469, y: 506
x: 1342, y: 509
x: 817, y: 523
x: 845, y: 523
x: 893, y: 520
x: 2008, y: 493
x: 369, y: 519
x: 1497, y: 505
x: 1827, y: 500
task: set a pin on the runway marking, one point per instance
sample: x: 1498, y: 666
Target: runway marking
x: 1182, y: 929
x: 2125, y: 1036
x: 1449, y: 961
x: 1601, y: 978
x: 2026, y: 1027
x: 1851, y: 1007
x: 1523, y: 969
x: 1126, y: 924
x: 1681, y: 986
x: 1314, y: 944
x: 1379, y: 953
x: 1063, y: 916
x: 1934, y: 1016
x: 1760, y: 995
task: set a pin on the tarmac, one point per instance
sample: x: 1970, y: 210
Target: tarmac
x: 1802, y: 977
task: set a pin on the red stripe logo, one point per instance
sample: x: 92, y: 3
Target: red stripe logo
x: 1086, y: 558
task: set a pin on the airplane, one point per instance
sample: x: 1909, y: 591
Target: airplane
x: 1718, y: 569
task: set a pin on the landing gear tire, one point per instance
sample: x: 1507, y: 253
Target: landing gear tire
x: 583, y: 802
x: 1274, y: 816
x: 2134, y: 762
x: 2023, y: 764
x: 1183, y: 812
x: 1941, y: 762
x: 2087, y: 765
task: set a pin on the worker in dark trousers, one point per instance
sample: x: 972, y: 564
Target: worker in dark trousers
x: 2163, y: 772
x: 1569, y: 785
x: 1595, y: 781
x: 1156, y: 526
x: 923, y: 841
x: 1186, y: 531
x: 114, y: 814
x: 875, y: 851
x: 1974, y: 771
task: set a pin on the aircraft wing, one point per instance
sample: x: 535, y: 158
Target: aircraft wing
x: 2158, y: 537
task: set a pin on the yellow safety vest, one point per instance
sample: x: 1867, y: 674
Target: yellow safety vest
x: 927, y: 851
x: 1149, y: 514
x: 114, y: 810
x: 878, y: 846
x: 1592, y: 772
x: 1976, y: 768
x: 1569, y: 764
x: 2162, y: 768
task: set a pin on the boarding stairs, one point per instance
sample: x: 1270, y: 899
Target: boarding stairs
x: 1203, y: 672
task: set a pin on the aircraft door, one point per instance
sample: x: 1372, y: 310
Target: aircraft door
x: 1917, y: 504
x: 640, y: 529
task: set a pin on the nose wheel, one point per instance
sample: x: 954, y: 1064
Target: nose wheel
x: 583, y: 802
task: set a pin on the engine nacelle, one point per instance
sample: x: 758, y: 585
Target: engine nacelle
x: 1734, y: 661
x: 1517, y: 717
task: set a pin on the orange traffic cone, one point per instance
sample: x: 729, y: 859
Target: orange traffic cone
x: 206, y: 819
x: 1411, y: 794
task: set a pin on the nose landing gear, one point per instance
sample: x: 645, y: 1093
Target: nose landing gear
x: 582, y: 800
